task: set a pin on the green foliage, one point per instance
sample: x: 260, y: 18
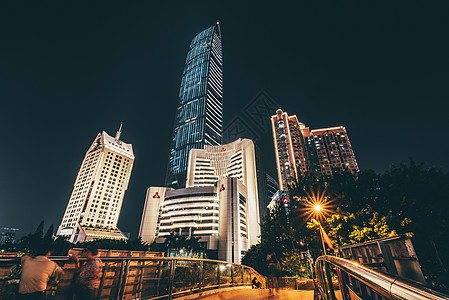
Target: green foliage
x: 353, y: 228
x: 131, y: 244
x: 339, y: 226
x: 294, y: 265
x: 32, y: 242
x: 375, y: 228
x: 256, y: 257
x: 157, y: 247
x: 191, y: 247
x: 355, y: 218
x: 282, y: 231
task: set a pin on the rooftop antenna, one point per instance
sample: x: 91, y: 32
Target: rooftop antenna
x: 119, y: 132
x: 219, y: 30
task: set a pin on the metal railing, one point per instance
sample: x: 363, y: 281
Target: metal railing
x: 148, y: 277
x: 338, y: 278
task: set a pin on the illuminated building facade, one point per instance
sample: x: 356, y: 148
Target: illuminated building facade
x: 272, y: 187
x: 330, y: 149
x: 199, y: 115
x: 299, y: 149
x: 219, y: 203
x: 289, y: 148
x: 94, y: 206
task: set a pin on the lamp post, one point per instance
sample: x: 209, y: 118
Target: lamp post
x: 318, y: 210
x: 322, y: 240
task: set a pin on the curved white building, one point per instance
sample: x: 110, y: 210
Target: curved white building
x: 189, y: 211
x: 219, y: 203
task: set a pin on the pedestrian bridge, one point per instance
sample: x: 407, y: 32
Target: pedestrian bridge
x: 254, y: 294
x: 182, y: 278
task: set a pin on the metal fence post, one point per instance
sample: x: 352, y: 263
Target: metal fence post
x: 218, y: 275
x: 171, y: 278
x: 200, y: 276
x: 142, y: 269
x: 124, y: 279
x: 103, y: 276
x: 232, y: 275
x: 388, y: 259
x: 119, y: 281
x: 329, y: 280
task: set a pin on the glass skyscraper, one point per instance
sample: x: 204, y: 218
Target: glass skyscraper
x: 199, y: 114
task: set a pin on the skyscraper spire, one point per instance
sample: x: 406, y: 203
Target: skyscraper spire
x: 119, y: 132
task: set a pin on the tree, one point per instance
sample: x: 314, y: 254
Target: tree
x: 39, y: 232
x: 193, y: 246
x: 418, y: 198
x: 256, y: 257
x: 282, y: 231
x: 295, y: 265
x: 407, y: 199
x: 32, y: 242
x: 49, y: 234
x: 130, y: 244
x: 137, y: 245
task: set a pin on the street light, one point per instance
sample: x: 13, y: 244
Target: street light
x: 317, y: 206
x: 319, y: 211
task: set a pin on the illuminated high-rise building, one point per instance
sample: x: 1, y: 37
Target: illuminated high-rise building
x: 329, y: 149
x: 219, y: 205
x: 289, y: 147
x: 94, y: 206
x: 299, y: 149
x: 199, y: 114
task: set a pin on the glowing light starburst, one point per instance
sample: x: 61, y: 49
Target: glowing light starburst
x: 317, y: 205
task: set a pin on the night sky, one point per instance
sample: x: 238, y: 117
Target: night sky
x: 70, y: 69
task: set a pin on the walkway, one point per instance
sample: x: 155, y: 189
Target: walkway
x: 253, y: 294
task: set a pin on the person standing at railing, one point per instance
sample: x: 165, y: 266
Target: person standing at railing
x: 36, y: 272
x: 88, y: 280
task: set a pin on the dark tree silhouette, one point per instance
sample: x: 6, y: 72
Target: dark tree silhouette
x: 49, y: 234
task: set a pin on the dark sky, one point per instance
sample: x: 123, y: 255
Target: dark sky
x: 70, y: 69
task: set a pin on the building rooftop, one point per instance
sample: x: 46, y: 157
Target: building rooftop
x: 102, y: 233
x: 117, y: 145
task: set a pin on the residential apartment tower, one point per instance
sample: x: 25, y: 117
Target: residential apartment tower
x: 299, y: 149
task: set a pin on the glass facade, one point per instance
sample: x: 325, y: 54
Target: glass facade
x: 199, y: 115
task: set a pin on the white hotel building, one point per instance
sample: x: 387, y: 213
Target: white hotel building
x: 219, y: 204
x: 94, y: 206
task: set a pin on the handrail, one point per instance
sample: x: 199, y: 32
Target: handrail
x: 390, y: 287
x: 118, y: 258
x: 152, y: 277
